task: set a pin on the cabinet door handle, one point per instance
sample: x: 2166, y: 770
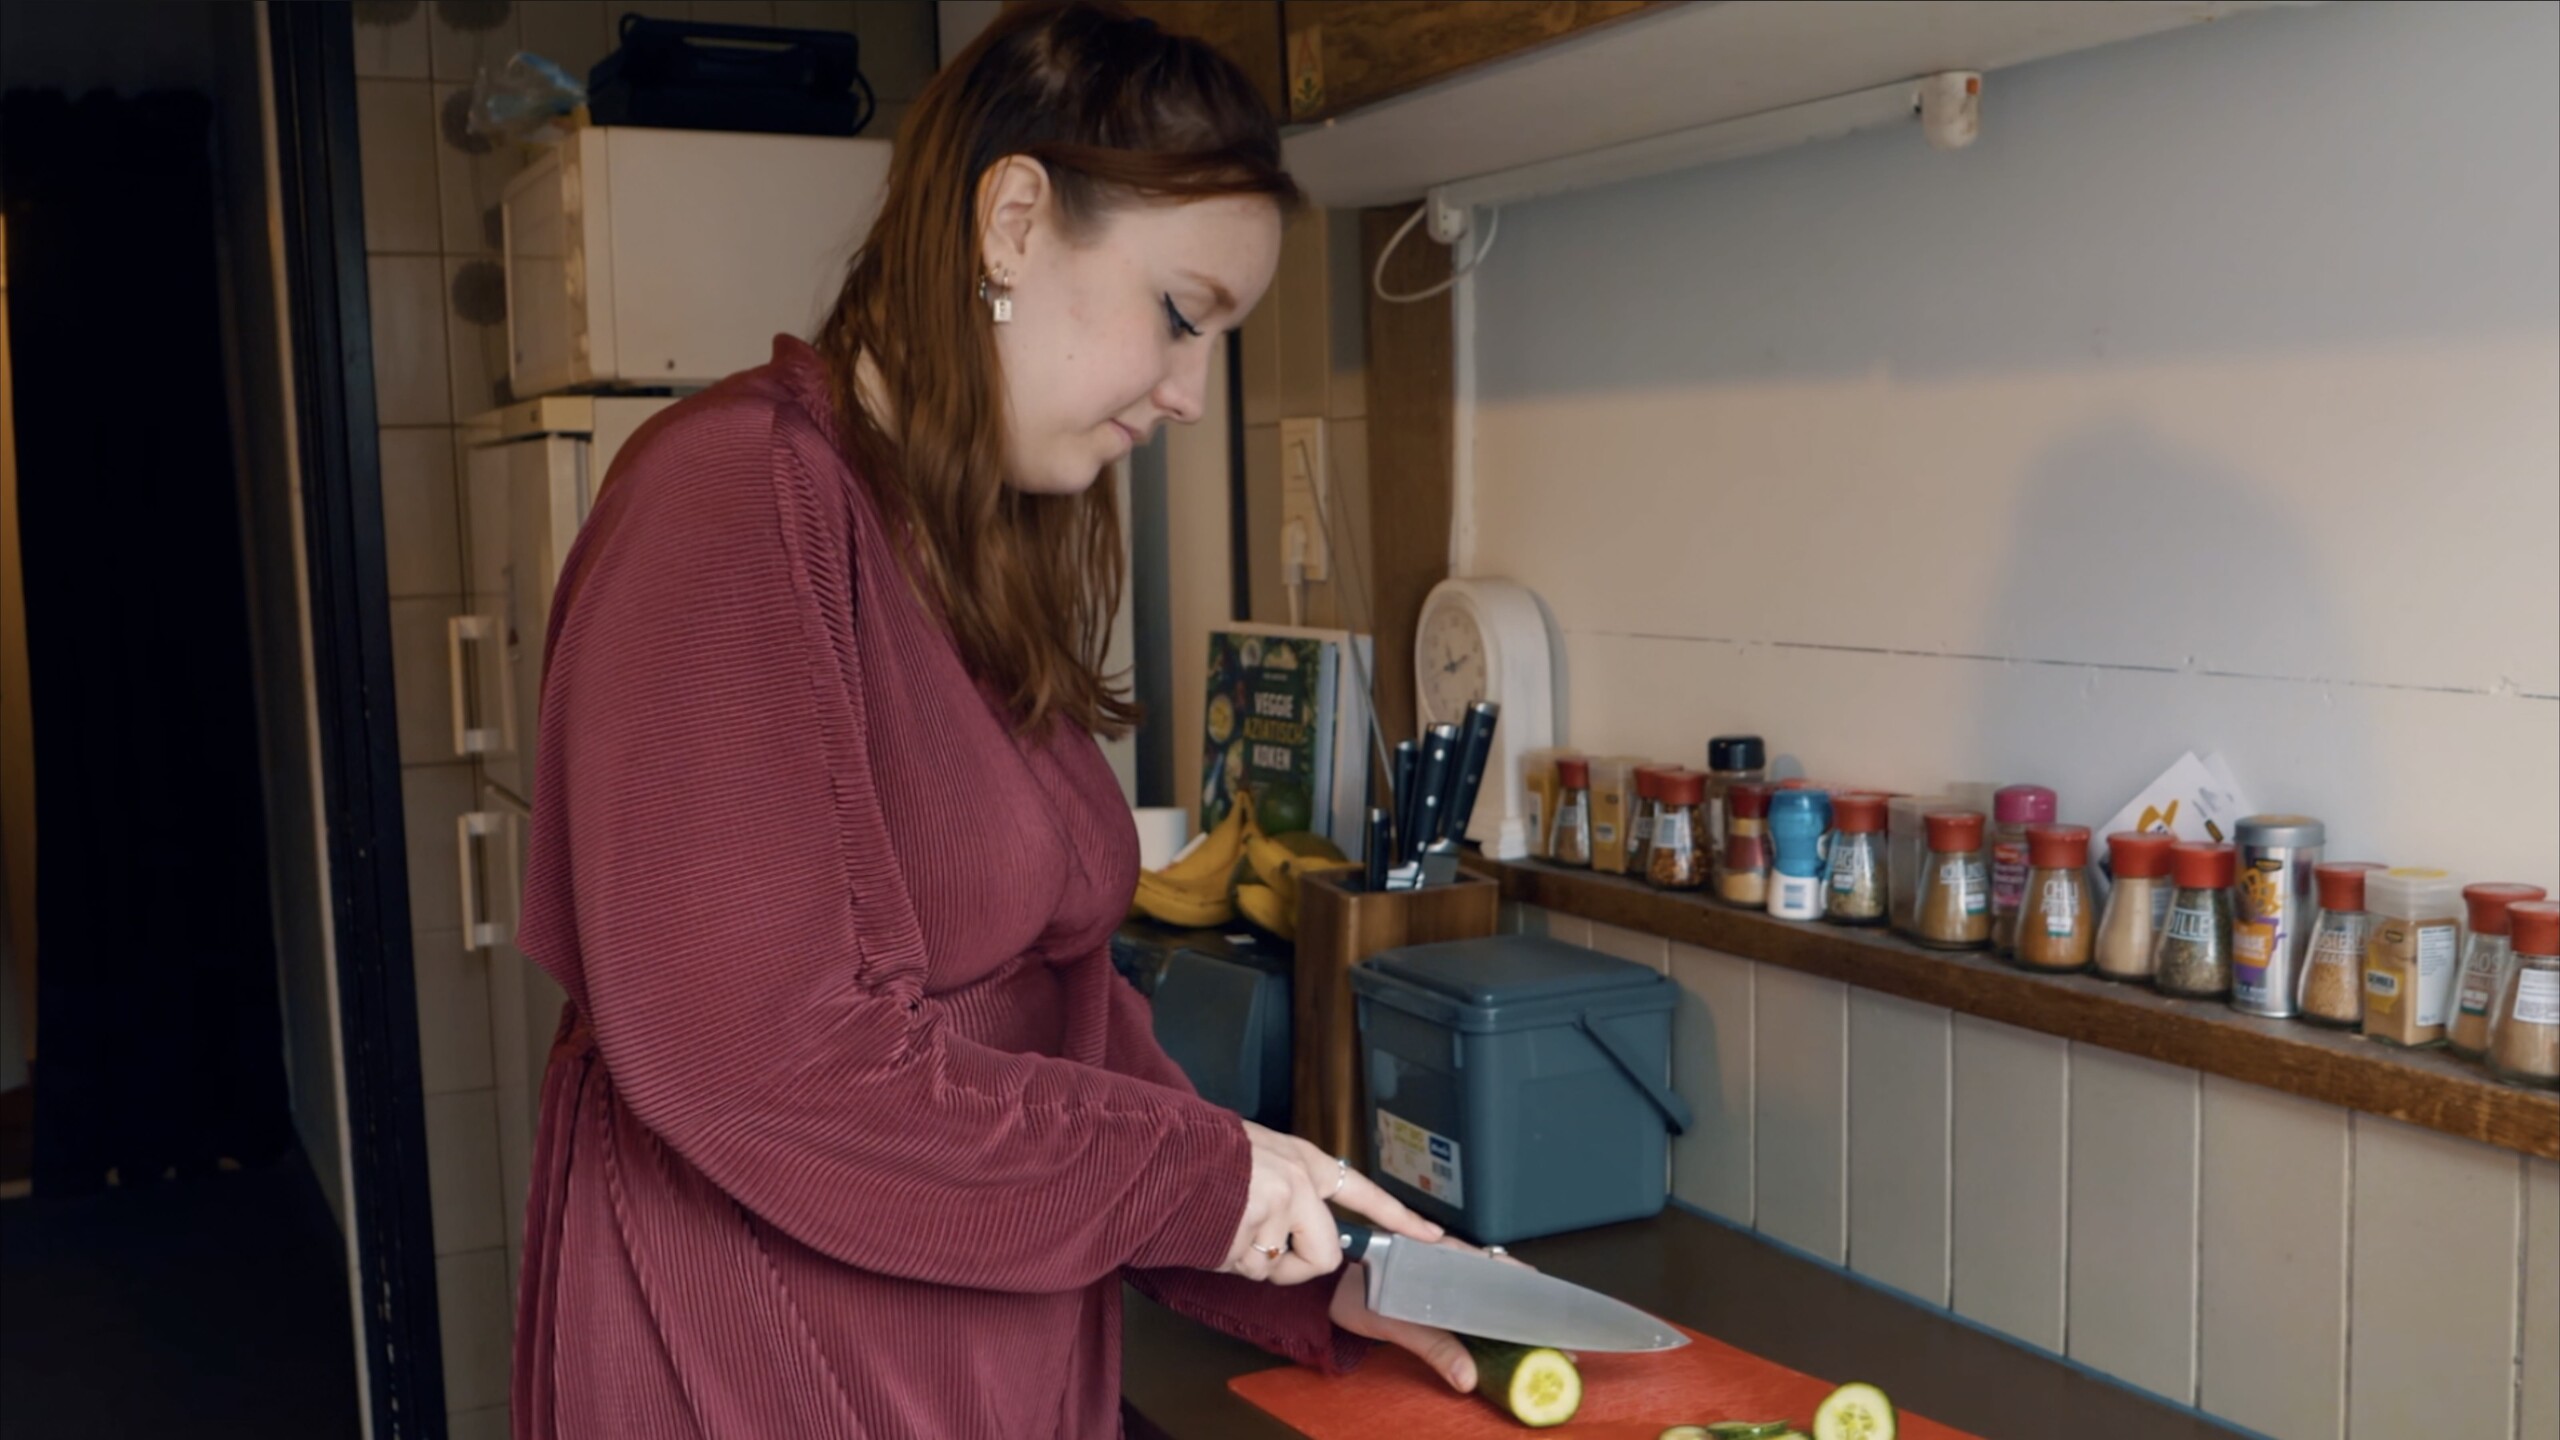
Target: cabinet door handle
x: 479, y: 932
x: 461, y: 632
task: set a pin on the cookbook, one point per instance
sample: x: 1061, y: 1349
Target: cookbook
x: 1287, y: 719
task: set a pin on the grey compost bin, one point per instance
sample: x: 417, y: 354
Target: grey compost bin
x: 1518, y: 1086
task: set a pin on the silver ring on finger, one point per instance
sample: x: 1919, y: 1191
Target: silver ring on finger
x: 1341, y: 1176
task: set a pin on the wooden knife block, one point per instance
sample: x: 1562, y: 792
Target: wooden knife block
x: 1340, y: 925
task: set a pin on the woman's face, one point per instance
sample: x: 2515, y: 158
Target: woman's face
x: 1112, y: 330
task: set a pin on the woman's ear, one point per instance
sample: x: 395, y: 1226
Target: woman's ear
x: 1011, y: 198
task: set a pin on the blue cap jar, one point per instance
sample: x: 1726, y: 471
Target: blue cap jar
x: 1799, y: 824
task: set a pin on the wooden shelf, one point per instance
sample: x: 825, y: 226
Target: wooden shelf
x: 2421, y: 1087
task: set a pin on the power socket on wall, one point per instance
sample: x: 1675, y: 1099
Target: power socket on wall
x: 1305, y: 498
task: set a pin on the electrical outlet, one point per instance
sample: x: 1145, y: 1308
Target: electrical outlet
x: 1306, y: 496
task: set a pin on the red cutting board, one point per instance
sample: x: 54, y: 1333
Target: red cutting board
x: 1624, y: 1397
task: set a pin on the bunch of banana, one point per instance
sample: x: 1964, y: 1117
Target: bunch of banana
x: 1270, y: 900
x: 1198, y: 890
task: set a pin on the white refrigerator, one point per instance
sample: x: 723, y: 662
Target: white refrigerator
x: 530, y: 476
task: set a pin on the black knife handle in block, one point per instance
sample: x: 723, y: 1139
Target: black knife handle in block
x: 1439, y: 757
x: 1407, y: 801
x: 1475, y: 749
x: 1380, y: 852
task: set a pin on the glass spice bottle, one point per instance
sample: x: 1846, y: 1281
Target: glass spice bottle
x: 2524, y: 1021
x: 1955, y: 884
x: 1678, y: 857
x: 1799, y: 844
x: 2013, y: 809
x: 1742, y: 876
x: 2056, y: 929
x: 1731, y: 760
x: 2410, y: 954
x: 2192, y: 957
x: 1569, y: 838
x: 2485, y: 954
x: 1648, y: 801
x: 2333, y: 966
x: 1857, y: 884
x: 2136, y: 907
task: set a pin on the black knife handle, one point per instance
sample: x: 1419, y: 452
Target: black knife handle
x: 1475, y: 749
x: 1407, y: 803
x: 1380, y: 852
x: 1439, y: 756
x: 1355, y: 1239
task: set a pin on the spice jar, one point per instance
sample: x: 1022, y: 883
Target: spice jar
x: 2013, y: 809
x: 2524, y: 1022
x: 2193, y: 954
x: 1955, y: 884
x: 1857, y: 877
x: 1731, y: 760
x: 2332, y: 990
x: 1742, y: 873
x: 1648, y: 800
x: 2271, y: 910
x: 2483, y: 972
x: 2138, y: 904
x: 1538, y: 779
x: 2409, y: 955
x: 1677, y: 857
x: 1799, y: 840
x: 1569, y: 838
x: 2057, y: 929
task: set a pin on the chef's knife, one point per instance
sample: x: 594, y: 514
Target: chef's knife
x: 1407, y: 782
x: 1439, y: 755
x: 1477, y: 1295
x: 1458, y: 801
x: 1380, y: 854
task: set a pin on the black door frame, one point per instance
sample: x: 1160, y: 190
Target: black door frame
x: 313, y: 49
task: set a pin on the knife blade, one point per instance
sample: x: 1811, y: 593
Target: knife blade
x: 1477, y: 1295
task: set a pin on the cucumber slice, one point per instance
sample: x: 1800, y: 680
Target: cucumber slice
x: 1687, y: 1432
x: 1533, y: 1384
x: 1750, y: 1429
x: 1854, y: 1412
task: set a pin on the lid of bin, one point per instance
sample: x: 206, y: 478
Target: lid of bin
x: 1501, y: 970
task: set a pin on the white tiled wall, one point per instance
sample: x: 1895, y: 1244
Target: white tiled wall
x: 438, y: 307
x: 2279, y: 1263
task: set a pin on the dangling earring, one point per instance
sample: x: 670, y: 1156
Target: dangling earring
x: 996, y: 288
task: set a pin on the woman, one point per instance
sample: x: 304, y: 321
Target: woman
x: 851, y: 1130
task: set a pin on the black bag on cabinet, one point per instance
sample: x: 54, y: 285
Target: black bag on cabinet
x: 698, y: 75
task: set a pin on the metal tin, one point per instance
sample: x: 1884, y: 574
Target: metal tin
x: 2272, y: 908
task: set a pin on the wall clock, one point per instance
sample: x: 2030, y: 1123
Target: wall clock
x: 1486, y: 639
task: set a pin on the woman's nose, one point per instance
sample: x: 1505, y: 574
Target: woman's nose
x: 1179, y: 394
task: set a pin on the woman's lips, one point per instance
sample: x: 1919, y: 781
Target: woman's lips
x: 1126, y: 434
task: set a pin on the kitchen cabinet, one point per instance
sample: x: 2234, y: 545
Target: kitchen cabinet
x: 1246, y: 31
x: 1347, y: 53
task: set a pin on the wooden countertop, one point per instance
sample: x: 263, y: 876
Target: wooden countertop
x: 1721, y: 1282
x: 2431, y: 1088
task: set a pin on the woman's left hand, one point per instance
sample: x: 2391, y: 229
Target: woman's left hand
x: 1437, y: 1348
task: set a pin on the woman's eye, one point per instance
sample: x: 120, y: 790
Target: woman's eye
x: 1174, y: 317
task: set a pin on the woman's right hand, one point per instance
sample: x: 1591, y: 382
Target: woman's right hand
x: 1287, y: 1235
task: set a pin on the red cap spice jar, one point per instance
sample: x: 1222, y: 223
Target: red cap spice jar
x: 2485, y: 956
x: 1743, y: 876
x: 1678, y: 856
x: 1569, y: 837
x: 1648, y: 800
x: 2057, y: 928
x: 1854, y: 882
x: 2192, y: 957
x: 2013, y: 809
x: 1955, y: 887
x: 2137, y: 906
x: 2333, y: 967
x: 2524, y: 1023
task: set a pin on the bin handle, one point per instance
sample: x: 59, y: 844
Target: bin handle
x: 1675, y: 1111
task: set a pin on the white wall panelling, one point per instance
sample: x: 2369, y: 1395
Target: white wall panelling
x: 1900, y: 1107
x: 2011, y: 1165
x: 1711, y: 1034
x: 1800, y: 1102
x: 2132, y: 1287
x: 2539, y: 1347
x: 2432, y: 1283
x: 1651, y: 951
x: 2271, y: 1304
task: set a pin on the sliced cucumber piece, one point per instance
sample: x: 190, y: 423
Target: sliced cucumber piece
x: 1687, y: 1432
x: 1854, y: 1412
x: 1750, y: 1429
x: 1533, y: 1384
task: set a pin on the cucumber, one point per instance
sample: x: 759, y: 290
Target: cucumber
x: 1749, y: 1429
x: 1533, y: 1384
x: 1687, y: 1432
x: 1854, y: 1412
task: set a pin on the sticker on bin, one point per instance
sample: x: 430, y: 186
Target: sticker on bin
x: 1427, y: 1162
